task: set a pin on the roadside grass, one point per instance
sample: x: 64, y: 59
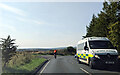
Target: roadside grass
x: 23, y: 62
x: 26, y: 68
x: 32, y: 65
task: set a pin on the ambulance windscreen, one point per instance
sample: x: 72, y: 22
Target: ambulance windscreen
x: 96, y: 44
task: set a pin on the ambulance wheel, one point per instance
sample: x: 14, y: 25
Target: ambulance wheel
x: 92, y: 66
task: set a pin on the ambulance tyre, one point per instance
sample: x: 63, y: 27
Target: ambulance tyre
x: 92, y: 66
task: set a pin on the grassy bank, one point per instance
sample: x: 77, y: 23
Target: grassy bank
x: 26, y: 68
x: 23, y: 63
x: 31, y: 65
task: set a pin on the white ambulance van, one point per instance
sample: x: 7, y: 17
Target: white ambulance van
x: 96, y: 51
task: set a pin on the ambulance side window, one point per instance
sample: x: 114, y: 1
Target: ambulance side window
x: 81, y: 46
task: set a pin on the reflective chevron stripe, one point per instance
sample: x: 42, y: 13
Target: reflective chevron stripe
x: 85, y: 55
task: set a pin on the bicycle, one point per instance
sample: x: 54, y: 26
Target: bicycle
x: 55, y: 55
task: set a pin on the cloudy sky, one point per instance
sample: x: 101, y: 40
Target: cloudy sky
x: 46, y: 24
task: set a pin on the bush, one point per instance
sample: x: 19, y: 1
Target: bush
x: 20, y: 59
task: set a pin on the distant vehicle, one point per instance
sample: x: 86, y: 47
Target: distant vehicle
x: 96, y: 51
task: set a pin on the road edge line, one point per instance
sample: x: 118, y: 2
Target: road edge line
x: 45, y: 66
x: 85, y: 71
x: 34, y: 72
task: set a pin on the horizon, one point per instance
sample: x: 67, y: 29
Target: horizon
x: 40, y: 47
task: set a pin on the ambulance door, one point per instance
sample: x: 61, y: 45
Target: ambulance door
x: 86, y: 51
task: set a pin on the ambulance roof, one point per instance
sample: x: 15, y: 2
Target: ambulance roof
x: 92, y: 38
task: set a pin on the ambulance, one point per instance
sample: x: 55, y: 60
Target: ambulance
x: 96, y: 51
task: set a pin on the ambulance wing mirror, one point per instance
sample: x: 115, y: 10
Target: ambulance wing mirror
x: 86, y: 48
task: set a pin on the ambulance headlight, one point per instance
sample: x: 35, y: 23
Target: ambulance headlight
x: 96, y: 56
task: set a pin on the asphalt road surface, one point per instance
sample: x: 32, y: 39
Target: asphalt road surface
x: 68, y: 64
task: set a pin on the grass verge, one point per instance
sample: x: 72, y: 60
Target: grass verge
x: 26, y: 68
x: 32, y: 65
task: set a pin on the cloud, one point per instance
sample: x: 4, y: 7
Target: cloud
x: 22, y: 19
x: 12, y: 9
x: 21, y: 13
x: 37, y: 22
x: 11, y: 28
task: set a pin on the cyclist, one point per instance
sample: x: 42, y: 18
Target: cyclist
x: 55, y: 52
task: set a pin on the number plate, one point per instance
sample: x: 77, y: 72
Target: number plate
x: 109, y: 62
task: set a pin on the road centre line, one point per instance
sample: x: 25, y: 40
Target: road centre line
x: 85, y: 71
x: 45, y: 67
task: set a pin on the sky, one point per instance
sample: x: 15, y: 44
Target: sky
x: 46, y: 24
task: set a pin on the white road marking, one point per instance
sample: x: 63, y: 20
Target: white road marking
x: 45, y: 67
x: 85, y: 71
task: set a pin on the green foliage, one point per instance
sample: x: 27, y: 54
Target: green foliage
x: 23, y: 62
x: 71, y: 50
x: 20, y: 58
x: 114, y: 34
x: 26, y: 67
x: 91, y: 28
x: 107, y: 23
x: 31, y: 65
x: 8, y: 49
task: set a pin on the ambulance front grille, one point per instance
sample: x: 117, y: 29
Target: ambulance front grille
x: 108, y: 57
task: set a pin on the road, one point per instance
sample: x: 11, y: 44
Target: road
x: 68, y: 64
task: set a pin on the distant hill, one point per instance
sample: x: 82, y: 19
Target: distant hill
x: 39, y: 49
